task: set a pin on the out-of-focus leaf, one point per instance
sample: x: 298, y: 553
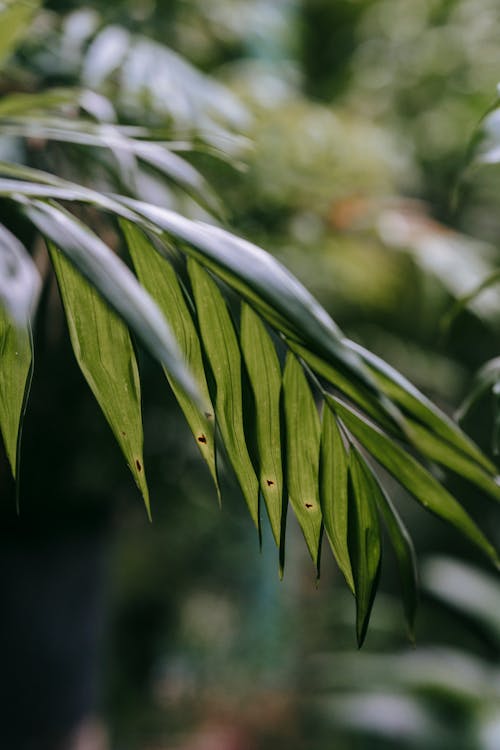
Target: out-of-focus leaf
x: 334, y: 492
x: 14, y: 105
x: 484, y: 380
x: 104, y: 352
x: 302, y: 453
x: 19, y: 279
x: 443, y: 453
x: 408, y: 472
x: 409, y: 398
x: 159, y: 278
x: 109, y: 136
x: 405, y: 554
x: 116, y: 283
x: 485, y: 147
x: 15, y: 379
x: 364, y: 540
x: 492, y: 280
x: 221, y: 346
x: 15, y: 16
x: 264, y: 372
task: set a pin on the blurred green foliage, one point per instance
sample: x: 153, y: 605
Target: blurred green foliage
x: 356, y: 117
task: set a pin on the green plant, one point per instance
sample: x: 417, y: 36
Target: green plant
x: 323, y: 410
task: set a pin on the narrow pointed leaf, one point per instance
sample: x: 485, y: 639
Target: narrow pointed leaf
x: 334, y: 492
x: 15, y: 379
x: 159, y: 278
x: 357, y: 392
x: 404, y: 393
x: 442, y: 452
x: 19, y: 279
x: 221, y: 346
x: 116, y: 284
x: 104, y: 352
x: 15, y: 16
x: 264, y: 372
x: 412, y: 475
x: 261, y: 279
x: 109, y: 136
x: 484, y: 380
x: 13, y: 105
x: 405, y: 554
x: 302, y: 451
x: 364, y: 537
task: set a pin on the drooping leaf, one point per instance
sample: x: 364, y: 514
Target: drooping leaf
x: 442, y: 452
x: 221, y: 346
x: 302, y: 453
x: 19, y: 279
x: 116, y: 284
x: 262, y: 280
x: 461, y: 303
x: 109, y: 136
x: 15, y: 16
x: 411, y: 400
x: 405, y: 554
x: 357, y: 392
x: 264, y: 372
x: 15, y: 378
x: 334, y: 492
x: 159, y: 278
x: 485, y: 378
x: 364, y: 540
x: 104, y: 352
x: 13, y: 105
x: 412, y: 475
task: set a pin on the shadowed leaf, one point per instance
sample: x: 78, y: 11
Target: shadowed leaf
x: 221, y: 346
x: 364, y: 540
x: 15, y: 380
x: 159, y: 278
x: 334, y: 492
x: 264, y: 372
x: 302, y: 453
x: 104, y: 352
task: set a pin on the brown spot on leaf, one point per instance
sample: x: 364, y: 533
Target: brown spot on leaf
x: 202, y: 439
x: 208, y: 415
x: 138, y: 464
x: 308, y: 505
x: 270, y: 482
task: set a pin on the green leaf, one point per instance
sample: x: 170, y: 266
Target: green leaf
x: 19, y: 279
x: 357, y: 392
x: 109, y: 136
x: 104, y: 352
x: 278, y: 296
x: 491, y: 280
x: 408, y: 472
x: 443, y: 453
x: 13, y: 105
x: 159, y: 278
x: 221, y: 346
x: 116, y: 284
x: 302, y: 452
x: 15, y: 380
x: 404, y: 393
x: 15, y: 16
x: 405, y: 554
x: 264, y: 372
x: 334, y: 492
x: 484, y: 380
x: 364, y: 541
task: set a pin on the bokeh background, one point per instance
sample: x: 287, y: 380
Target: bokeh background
x: 335, y: 134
